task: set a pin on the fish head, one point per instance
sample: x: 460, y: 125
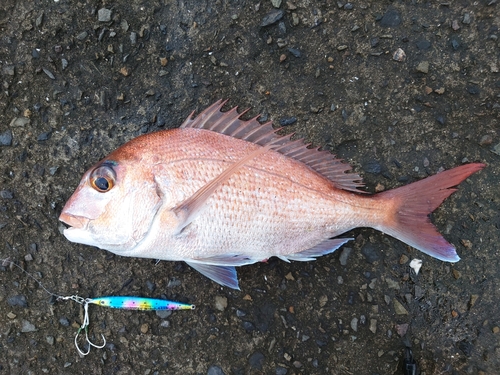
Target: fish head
x: 113, y: 206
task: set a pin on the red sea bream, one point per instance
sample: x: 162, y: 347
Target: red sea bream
x: 221, y: 192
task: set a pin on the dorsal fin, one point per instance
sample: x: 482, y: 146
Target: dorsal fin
x: 231, y: 124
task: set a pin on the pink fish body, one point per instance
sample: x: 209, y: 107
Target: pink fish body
x: 221, y: 192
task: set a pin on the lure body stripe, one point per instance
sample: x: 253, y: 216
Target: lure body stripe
x: 139, y: 303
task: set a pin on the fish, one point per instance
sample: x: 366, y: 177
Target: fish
x: 220, y: 192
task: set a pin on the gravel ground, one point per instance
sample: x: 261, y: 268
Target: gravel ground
x: 398, y: 89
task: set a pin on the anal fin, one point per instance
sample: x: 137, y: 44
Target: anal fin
x: 325, y: 247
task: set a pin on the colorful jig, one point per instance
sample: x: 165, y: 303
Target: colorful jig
x: 138, y: 303
x: 116, y: 302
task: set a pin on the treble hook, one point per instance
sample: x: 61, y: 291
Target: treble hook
x: 84, y: 326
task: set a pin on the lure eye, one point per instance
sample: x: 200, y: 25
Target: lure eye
x: 103, y: 178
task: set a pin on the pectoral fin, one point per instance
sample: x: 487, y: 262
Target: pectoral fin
x: 224, y: 275
x: 192, y: 206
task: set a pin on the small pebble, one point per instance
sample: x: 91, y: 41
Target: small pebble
x: 215, y: 370
x: 6, y: 138
x: 104, y: 15
x: 82, y: 35
x: 372, y: 166
x: 256, y: 360
x: 403, y: 259
x: 163, y: 314
x: 133, y: 38
x: 466, y: 19
x: 144, y: 328
x: 373, y: 325
x: 399, y: 308
x: 220, y: 303
x: 48, y: 73
x: 44, y: 136
x: 295, y: 52
x: 399, y: 55
x: 391, y: 18
x: 20, y: 121
x: 273, y: 16
x: 11, y: 315
x: 344, y: 255
x: 401, y: 329
x: 288, y: 121
x: 486, y: 140
x: 441, y: 119
x: 423, y: 67
x: 18, y: 300
x: 354, y: 324
x: 27, y: 327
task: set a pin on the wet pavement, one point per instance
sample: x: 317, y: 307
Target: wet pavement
x: 401, y: 90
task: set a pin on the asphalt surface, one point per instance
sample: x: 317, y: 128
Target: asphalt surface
x: 400, y: 90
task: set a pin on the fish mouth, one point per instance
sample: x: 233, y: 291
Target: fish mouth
x: 74, y: 222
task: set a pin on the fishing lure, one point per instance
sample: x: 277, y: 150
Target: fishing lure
x: 138, y: 303
x: 116, y: 302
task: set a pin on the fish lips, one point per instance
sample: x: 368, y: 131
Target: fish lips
x: 77, y: 231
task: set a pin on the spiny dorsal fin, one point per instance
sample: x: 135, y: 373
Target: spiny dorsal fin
x: 231, y: 124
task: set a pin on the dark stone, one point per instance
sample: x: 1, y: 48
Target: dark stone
x: 423, y: 44
x: 295, y: 52
x: 473, y: 90
x: 273, y: 16
x: 391, y: 18
x: 151, y: 285
x: 248, y: 326
x: 264, y: 316
x: 374, y: 42
x: 288, y: 121
x: 466, y: 347
x: 256, y: 360
x: 64, y: 321
x: 215, y: 370
x: 44, y: 136
x: 6, y: 138
x: 441, y: 119
x: 348, y: 6
x: 351, y: 298
x: 372, y: 166
x: 18, y: 300
x: 371, y: 253
x: 455, y: 44
x: 281, y: 370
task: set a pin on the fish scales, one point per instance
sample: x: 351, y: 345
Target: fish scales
x: 264, y: 203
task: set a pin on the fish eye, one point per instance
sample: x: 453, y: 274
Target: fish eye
x: 103, y: 178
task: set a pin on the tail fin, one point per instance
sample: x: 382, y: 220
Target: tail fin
x: 414, y: 202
